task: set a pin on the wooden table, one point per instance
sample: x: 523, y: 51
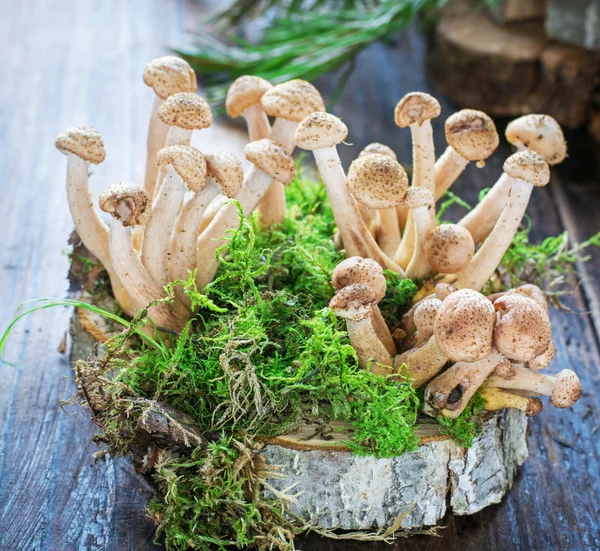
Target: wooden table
x: 67, y: 63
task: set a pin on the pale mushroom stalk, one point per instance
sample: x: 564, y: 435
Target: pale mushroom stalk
x: 564, y: 389
x: 157, y: 136
x: 83, y: 145
x: 320, y: 133
x: 495, y: 399
x: 449, y: 166
x: 421, y: 202
x: 387, y: 231
x: 416, y: 110
x: 353, y: 303
x: 487, y: 258
x: 450, y: 392
x: 424, y: 362
x: 128, y: 204
x: 269, y: 162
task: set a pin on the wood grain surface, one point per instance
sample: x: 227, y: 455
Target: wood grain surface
x: 69, y: 63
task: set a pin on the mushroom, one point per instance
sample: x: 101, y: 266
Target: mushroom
x: 289, y: 102
x: 365, y: 270
x: 564, y: 388
x: 354, y: 304
x: 424, y: 319
x: 471, y: 136
x: 416, y: 110
x: 380, y: 183
x: 525, y: 170
x: 538, y: 133
x: 224, y: 174
x: 528, y: 290
x: 463, y: 332
x: 270, y: 161
x: 523, y: 330
x: 449, y: 248
x: 166, y: 75
x: 184, y: 165
x: 442, y: 290
x: 83, y: 145
x: 320, y: 133
x: 128, y: 204
x: 421, y: 203
x: 543, y: 360
x: 450, y: 392
x: 495, y: 399
x: 243, y: 100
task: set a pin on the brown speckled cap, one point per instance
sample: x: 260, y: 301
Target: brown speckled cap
x: 292, y: 100
x: 425, y: 314
x: 245, y: 92
x: 523, y: 329
x: 567, y: 389
x: 227, y: 171
x: 528, y: 166
x: 83, y: 141
x: 416, y: 107
x: 379, y: 149
x: 188, y: 162
x: 449, y: 248
x: 357, y: 269
x: 186, y: 110
x: 353, y: 302
x: 378, y: 181
x: 464, y: 326
x: 272, y: 159
x: 540, y: 133
x: 319, y: 130
x: 472, y: 134
x: 543, y: 360
x: 418, y: 196
x: 169, y: 75
x: 534, y: 407
x: 126, y: 202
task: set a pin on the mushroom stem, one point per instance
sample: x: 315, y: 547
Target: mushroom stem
x: 447, y: 169
x: 157, y: 136
x: 495, y: 399
x: 368, y: 346
x: 419, y: 267
x: 388, y: 231
x: 257, y: 122
x: 450, y: 392
x: 564, y: 389
x: 424, y: 362
x: 157, y: 235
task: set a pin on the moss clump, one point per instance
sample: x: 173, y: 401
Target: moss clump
x: 467, y: 425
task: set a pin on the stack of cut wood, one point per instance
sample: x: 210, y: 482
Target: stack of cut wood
x: 522, y: 56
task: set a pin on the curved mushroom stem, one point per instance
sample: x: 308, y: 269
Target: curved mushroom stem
x: 450, y: 392
x: 357, y: 239
x: 424, y: 362
x: 387, y: 231
x: 257, y: 122
x: 369, y: 348
x: 92, y: 230
x: 157, y: 136
x: 496, y: 399
x: 157, y: 235
x: 447, y: 169
x: 184, y: 241
x: 489, y: 255
x: 419, y: 267
x: 564, y: 388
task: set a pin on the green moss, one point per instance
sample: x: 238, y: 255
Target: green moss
x: 467, y: 425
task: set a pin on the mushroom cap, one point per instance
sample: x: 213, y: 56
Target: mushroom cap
x: 319, y: 130
x: 523, y: 329
x: 534, y: 407
x: 540, y: 133
x: 567, y: 389
x: 528, y: 166
x: 126, y: 202
x: 415, y: 108
x: 353, y: 302
x: 169, y: 75
x: 245, y: 92
x: 83, y: 141
x: 464, y: 326
x: 187, y: 162
x: 292, y: 100
x: 226, y: 170
x: 543, y: 360
x: 472, y: 134
x: 378, y: 181
x: 533, y: 292
x: 356, y: 269
x: 380, y: 149
x: 442, y: 290
x: 272, y: 159
x: 418, y: 196
x: 425, y: 314
x: 186, y: 110
x: 449, y: 248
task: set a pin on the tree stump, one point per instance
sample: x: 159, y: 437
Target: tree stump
x: 339, y: 490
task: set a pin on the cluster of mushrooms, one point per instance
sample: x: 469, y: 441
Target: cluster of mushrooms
x: 174, y: 224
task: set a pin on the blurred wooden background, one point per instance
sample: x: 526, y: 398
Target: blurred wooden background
x: 70, y: 63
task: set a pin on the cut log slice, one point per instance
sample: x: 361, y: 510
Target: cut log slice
x: 337, y: 489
